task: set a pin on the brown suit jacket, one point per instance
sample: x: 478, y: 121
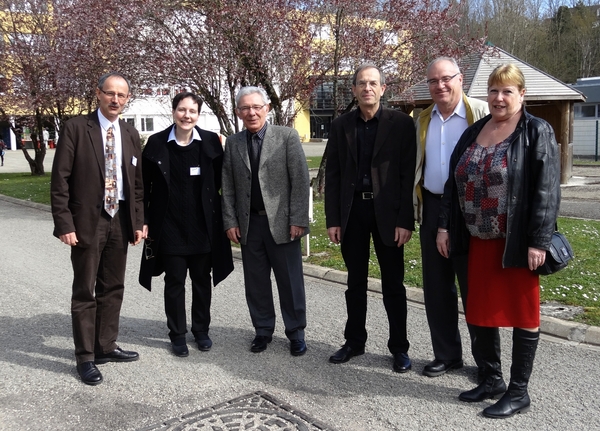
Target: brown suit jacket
x: 392, y: 172
x: 77, y: 187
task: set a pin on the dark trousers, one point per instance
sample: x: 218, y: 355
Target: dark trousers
x: 98, y: 285
x: 176, y: 269
x: 260, y: 254
x: 356, y: 253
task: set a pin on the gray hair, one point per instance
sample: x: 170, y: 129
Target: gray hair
x: 252, y: 90
x: 437, y: 60
x: 103, y: 79
x: 369, y: 66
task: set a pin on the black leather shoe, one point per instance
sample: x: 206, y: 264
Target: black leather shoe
x: 89, y: 373
x: 298, y: 347
x: 437, y: 367
x: 181, y: 351
x: 345, y: 354
x: 490, y: 388
x: 259, y: 344
x: 402, y: 363
x: 117, y: 355
x: 204, y: 342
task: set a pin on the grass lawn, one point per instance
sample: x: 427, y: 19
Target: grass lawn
x: 314, y: 162
x: 25, y: 186
x: 578, y: 284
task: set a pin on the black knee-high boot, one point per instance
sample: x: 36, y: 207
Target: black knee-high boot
x: 486, y: 341
x: 516, y: 399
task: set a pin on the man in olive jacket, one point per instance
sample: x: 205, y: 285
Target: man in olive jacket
x: 439, y: 128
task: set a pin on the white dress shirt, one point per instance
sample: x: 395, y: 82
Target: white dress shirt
x: 442, y: 136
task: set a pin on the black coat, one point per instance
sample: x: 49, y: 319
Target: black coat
x: 155, y: 167
x: 533, y: 191
x: 392, y: 172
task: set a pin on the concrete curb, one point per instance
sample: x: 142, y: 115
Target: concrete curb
x: 567, y: 330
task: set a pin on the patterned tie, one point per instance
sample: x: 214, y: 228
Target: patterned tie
x: 111, y: 197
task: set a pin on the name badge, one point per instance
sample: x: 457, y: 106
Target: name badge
x: 134, y: 161
x: 195, y: 171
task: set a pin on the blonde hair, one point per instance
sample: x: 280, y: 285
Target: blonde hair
x: 507, y: 74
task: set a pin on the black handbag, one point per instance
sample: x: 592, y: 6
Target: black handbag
x: 558, y: 256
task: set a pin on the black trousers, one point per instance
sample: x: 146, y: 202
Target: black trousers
x: 260, y: 254
x: 176, y: 269
x: 356, y: 252
x: 439, y: 287
x: 98, y: 286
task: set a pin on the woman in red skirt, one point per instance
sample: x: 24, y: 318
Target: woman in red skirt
x: 500, y: 206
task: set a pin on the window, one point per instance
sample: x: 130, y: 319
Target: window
x: 148, y: 124
x: 585, y: 111
x: 130, y: 121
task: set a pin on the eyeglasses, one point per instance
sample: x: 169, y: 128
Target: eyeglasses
x: 147, y: 249
x: 444, y: 79
x: 112, y: 94
x: 246, y: 109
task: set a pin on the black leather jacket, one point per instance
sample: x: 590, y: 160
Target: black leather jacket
x: 533, y: 191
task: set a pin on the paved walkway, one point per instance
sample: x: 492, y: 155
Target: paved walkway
x: 39, y: 388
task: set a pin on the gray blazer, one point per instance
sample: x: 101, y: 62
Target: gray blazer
x: 283, y: 177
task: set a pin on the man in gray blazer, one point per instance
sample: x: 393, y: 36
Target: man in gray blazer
x: 265, y: 208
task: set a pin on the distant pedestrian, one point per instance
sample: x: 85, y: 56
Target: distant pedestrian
x: 45, y: 137
x: 2, y: 150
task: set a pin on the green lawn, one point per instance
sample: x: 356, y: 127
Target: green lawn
x: 313, y: 162
x: 578, y: 284
x: 25, y: 186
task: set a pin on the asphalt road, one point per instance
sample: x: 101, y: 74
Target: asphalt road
x: 40, y: 390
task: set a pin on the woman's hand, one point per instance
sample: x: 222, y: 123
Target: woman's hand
x: 535, y: 258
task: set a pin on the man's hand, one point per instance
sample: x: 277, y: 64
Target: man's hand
x: 145, y: 231
x: 402, y: 236
x: 234, y: 234
x: 69, y: 239
x: 443, y: 243
x: 137, y: 237
x: 296, y: 232
x: 335, y: 234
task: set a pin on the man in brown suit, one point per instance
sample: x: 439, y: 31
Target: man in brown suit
x: 96, y: 225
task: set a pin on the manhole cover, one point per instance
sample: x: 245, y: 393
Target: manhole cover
x: 257, y: 411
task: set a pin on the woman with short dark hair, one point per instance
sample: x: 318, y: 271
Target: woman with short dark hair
x: 183, y: 223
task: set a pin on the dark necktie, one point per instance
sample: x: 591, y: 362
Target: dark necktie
x: 255, y: 149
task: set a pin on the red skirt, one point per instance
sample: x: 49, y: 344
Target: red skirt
x: 500, y: 296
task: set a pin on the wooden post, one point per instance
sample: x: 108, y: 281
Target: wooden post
x: 566, y: 141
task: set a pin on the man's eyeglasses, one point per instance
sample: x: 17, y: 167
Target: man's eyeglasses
x: 112, y: 94
x: 148, y: 249
x: 246, y: 109
x: 443, y: 79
